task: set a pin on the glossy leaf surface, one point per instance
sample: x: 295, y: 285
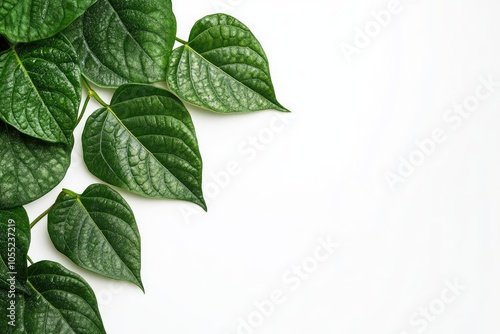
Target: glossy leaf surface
x: 222, y: 68
x: 97, y: 231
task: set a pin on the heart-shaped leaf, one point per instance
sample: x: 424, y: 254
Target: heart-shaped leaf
x: 122, y: 42
x: 29, y: 167
x: 145, y: 142
x: 41, y: 89
x: 31, y: 20
x: 222, y: 68
x: 97, y: 231
x: 15, y: 239
x: 61, y: 302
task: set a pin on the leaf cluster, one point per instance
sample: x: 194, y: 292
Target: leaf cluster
x: 143, y: 141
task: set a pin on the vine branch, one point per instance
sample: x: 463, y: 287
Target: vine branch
x: 37, y: 219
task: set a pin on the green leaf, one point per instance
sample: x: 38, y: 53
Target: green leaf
x: 97, y: 231
x: 122, y: 42
x: 222, y: 68
x: 31, y: 20
x: 41, y: 89
x: 15, y: 239
x: 61, y: 302
x: 145, y: 142
x: 29, y: 167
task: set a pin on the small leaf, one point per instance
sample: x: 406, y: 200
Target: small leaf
x: 15, y: 239
x: 61, y: 302
x: 30, y: 20
x: 97, y: 231
x: 145, y: 142
x: 29, y: 167
x: 41, y: 89
x: 121, y: 42
x: 222, y: 68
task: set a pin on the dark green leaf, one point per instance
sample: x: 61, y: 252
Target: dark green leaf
x: 222, y: 68
x: 145, y: 142
x: 29, y: 167
x: 30, y: 20
x: 121, y: 42
x: 41, y: 89
x: 97, y: 231
x: 61, y: 302
x: 15, y: 239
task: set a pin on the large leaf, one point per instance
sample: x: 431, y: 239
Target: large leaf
x: 29, y: 167
x: 41, y: 89
x: 122, y: 42
x: 61, y: 302
x: 145, y: 142
x: 97, y: 231
x: 30, y: 20
x: 222, y: 68
x: 15, y: 239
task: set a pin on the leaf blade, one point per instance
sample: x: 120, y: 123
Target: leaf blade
x: 121, y: 42
x: 41, y: 89
x: 29, y: 168
x: 222, y: 68
x: 98, y: 232
x: 146, y: 145
x: 62, y: 302
x: 31, y: 20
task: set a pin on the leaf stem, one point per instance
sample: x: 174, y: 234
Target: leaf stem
x: 29, y: 259
x: 40, y: 217
x: 181, y: 40
x: 83, y: 110
x: 92, y: 93
x: 71, y: 193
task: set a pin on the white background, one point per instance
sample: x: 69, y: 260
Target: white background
x: 322, y: 174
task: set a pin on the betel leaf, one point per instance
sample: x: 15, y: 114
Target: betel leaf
x: 222, y: 68
x: 97, y: 231
x: 122, y: 42
x: 145, y: 142
x: 15, y: 239
x: 30, y: 20
x: 29, y: 167
x: 41, y: 89
x: 60, y: 302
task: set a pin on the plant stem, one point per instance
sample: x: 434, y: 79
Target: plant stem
x: 83, y: 110
x: 40, y: 217
x: 71, y: 193
x: 29, y: 259
x: 92, y: 93
x: 180, y: 40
